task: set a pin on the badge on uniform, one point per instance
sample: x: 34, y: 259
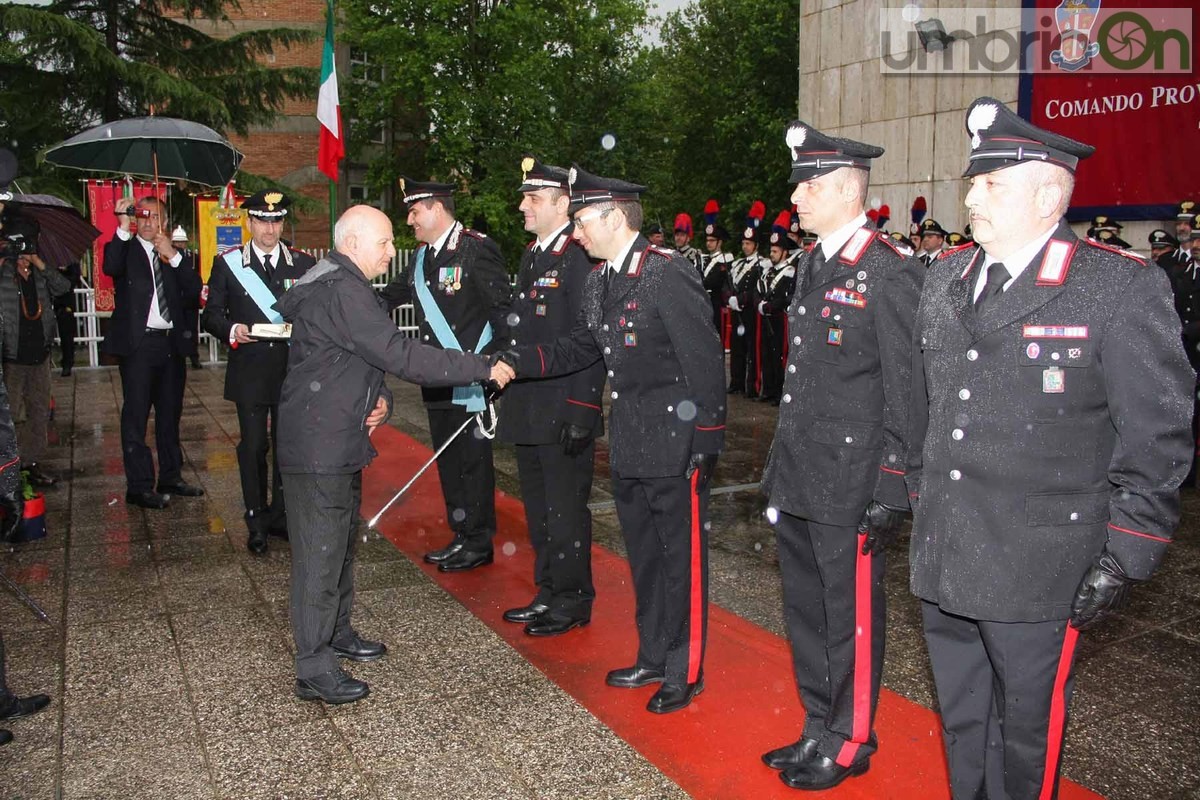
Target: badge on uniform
x: 450, y: 279
x: 834, y: 337
x: 1053, y: 381
x: 631, y: 339
x: 540, y: 309
x: 545, y: 282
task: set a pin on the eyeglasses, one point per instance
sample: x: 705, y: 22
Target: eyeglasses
x: 586, y: 218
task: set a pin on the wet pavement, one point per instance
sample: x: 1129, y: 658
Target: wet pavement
x: 170, y: 658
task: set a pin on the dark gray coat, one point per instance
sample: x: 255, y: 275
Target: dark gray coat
x: 843, y: 431
x: 1054, y: 424
x: 343, y: 341
x: 51, y: 285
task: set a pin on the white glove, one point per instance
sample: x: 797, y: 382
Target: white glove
x: 762, y: 307
x: 734, y: 304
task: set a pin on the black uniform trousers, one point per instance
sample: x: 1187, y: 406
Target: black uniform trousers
x: 742, y: 375
x: 1004, y: 689
x: 835, y: 609
x: 65, y: 315
x: 555, y: 489
x: 663, y: 525
x: 151, y: 376
x: 323, y: 536
x: 468, y: 477
x: 772, y: 355
x: 256, y: 422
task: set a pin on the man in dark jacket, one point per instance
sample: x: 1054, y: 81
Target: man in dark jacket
x: 342, y: 343
x: 1051, y: 429
x: 243, y: 287
x: 646, y: 314
x: 155, y: 286
x: 742, y: 290
x: 459, y: 288
x: 553, y: 421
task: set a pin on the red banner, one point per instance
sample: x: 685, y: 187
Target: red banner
x: 1121, y: 77
x: 102, y: 198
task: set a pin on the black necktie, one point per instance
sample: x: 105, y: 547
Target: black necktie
x: 996, y: 278
x: 159, y: 291
x: 818, y: 267
x: 267, y: 267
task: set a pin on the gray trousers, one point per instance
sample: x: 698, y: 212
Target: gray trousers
x: 28, y: 388
x: 323, y: 530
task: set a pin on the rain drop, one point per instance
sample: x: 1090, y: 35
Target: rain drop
x: 514, y: 320
x: 757, y: 547
x: 686, y: 411
x: 187, y: 334
x: 708, y: 525
x: 772, y: 515
x: 741, y: 330
x: 910, y: 12
x: 315, y: 386
x: 458, y: 515
x: 876, y: 203
x: 508, y: 549
x: 608, y: 141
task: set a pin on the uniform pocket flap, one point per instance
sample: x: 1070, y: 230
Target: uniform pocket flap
x: 1074, y: 508
x: 842, y: 433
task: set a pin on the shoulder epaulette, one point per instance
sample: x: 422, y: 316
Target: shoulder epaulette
x: 951, y: 250
x: 887, y: 240
x: 663, y: 251
x: 1132, y: 256
x: 473, y: 233
x: 227, y: 250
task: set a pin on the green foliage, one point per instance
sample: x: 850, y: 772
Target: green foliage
x: 77, y: 63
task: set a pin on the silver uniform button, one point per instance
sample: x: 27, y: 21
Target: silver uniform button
x: 614, y: 395
x: 605, y: 327
x: 607, y: 350
x: 522, y: 295
x: 1074, y: 515
x: 964, y: 394
x: 801, y: 311
x: 426, y: 337
x: 610, y: 373
x: 956, y: 434
x: 955, y: 475
x: 972, y: 355
x: 791, y: 368
x: 849, y: 440
x: 796, y: 340
x: 787, y: 398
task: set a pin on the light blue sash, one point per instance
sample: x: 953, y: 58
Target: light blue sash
x: 254, y: 286
x: 469, y: 396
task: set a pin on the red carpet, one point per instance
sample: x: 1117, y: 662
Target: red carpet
x: 712, y: 748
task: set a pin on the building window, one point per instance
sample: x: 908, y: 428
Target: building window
x: 362, y: 195
x: 361, y: 68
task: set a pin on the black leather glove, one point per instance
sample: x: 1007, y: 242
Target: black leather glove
x: 1101, y: 592
x: 13, y: 504
x: 881, y: 524
x: 574, y: 438
x: 705, y: 464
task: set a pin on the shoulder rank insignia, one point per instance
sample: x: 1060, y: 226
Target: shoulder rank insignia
x: 1056, y: 262
x: 857, y: 245
x: 1132, y: 256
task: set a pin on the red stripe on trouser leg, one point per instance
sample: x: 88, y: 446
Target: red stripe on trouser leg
x: 696, y: 588
x: 861, y: 725
x: 1058, y: 713
x: 758, y: 354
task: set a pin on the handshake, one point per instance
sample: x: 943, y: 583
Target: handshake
x: 504, y: 369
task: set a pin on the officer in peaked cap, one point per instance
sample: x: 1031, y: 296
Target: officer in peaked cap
x: 1045, y: 475
x: 646, y: 314
x: 933, y: 240
x: 459, y: 288
x: 243, y: 287
x: 834, y: 480
x: 1185, y: 216
x: 553, y: 421
x: 1162, y: 243
x: 714, y: 268
x: 656, y: 235
x: 1111, y: 239
x: 742, y: 299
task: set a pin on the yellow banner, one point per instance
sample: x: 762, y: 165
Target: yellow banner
x: 220, y: 229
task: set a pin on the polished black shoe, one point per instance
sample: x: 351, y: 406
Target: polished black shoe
x: 356, y: 648
x: 24, y: 706
x: 5, y: 737
x: 552, y: 624
x: 256, y: 524
x: 438, y: 556
x: 674, y: 696
x: 334, y: 687
x: 526, y: 613
x: 821, y: 772
x: 38, y: 476
x: 66, y: 371
x: 147, y: 499
x: 633, y: 677
x: 464, y: 560
x: 791, y: 755
x: 182, y: 488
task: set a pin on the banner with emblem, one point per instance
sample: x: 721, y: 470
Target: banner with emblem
x: 220, y: 224
x: 102, y: 197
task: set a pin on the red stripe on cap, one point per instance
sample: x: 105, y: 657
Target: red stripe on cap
x: 1058, y: 714
x: 1139, y: 533
x: 696, y: 594
x: 860, y: 727
x: 577, y: 402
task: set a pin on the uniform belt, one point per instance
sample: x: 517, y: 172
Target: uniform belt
x: 158, y: 331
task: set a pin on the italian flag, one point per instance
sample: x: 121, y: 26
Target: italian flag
x: 329, y: 112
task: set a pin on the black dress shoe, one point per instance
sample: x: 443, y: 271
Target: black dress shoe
x: 334, y: 687
x: 66, y: 371
x: 791, y: 755
x: 356, y: 648
x: 821, y: 772
x: 24, y: 706
x: 552, y: 624
x: 438, y: 556
x: 633, y: 677
x: 674, y: 696
x: 182, y: 488
x: 464, y: 560
x: 147, y: 499
x: 256, y: 524
x: 526, y: 613
x: 5, y: 737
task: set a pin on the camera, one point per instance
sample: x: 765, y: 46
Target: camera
x: 15, y: 245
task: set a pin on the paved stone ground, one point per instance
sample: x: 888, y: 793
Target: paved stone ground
x: 170, y: 661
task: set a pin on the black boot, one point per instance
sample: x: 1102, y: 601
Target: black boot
x: 258, y: 523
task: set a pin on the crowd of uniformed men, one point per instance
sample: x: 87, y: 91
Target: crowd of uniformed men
x: 1026, y: 395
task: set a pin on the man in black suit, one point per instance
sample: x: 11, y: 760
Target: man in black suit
x: 553, y: 421
x: 242, y: 289
x: 1051, y: 430
x: 645, y: 312
x: 154, y: 285
x: 462, y: 295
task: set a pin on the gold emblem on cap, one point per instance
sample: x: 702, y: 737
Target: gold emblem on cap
x: 526, y: 166
x: 272, y: 198
x: 402, y: 189
x: 1186, y: 206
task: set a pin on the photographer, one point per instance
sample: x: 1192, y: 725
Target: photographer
x: 27, y: 292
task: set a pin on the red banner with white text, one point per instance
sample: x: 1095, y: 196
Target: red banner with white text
x: 102, y: 197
